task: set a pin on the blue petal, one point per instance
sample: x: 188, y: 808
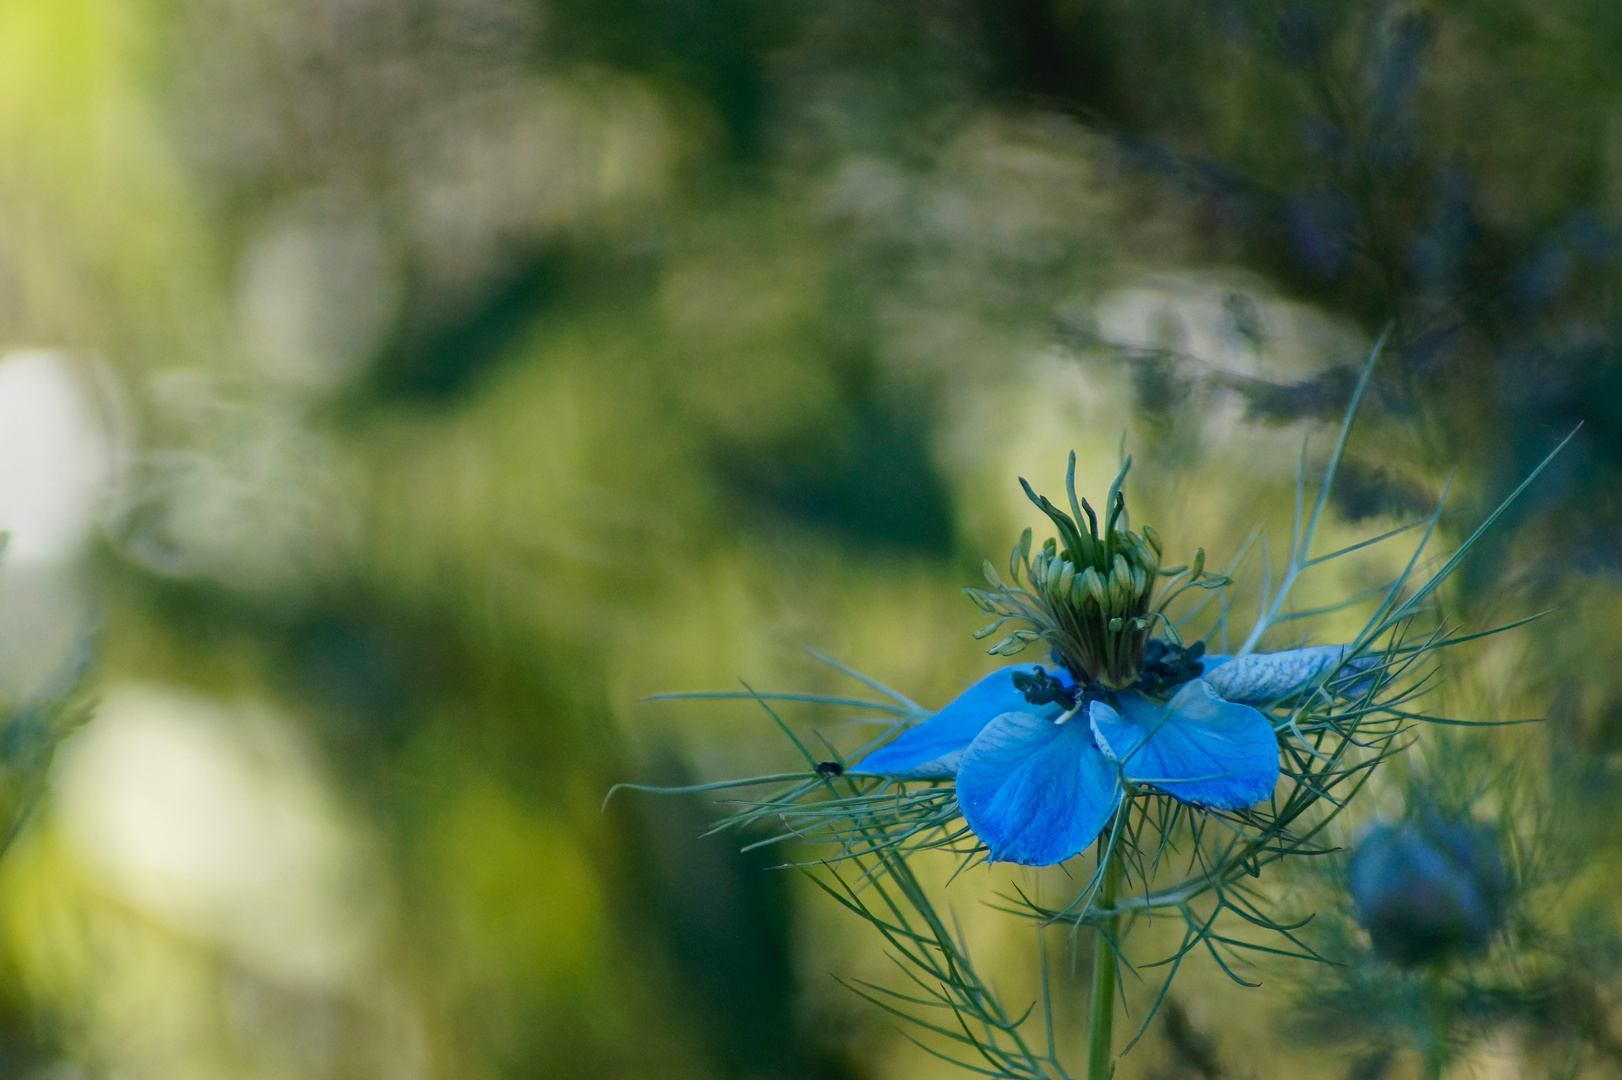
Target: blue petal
x: 1261, y: 678
x: 1197, y: 747
x: 1034, y: 791
x: 932, y: 748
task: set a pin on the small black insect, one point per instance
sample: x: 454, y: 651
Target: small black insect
x: 829, y: 768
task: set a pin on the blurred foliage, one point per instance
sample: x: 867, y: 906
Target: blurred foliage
x: 1540, y: 980
x: 481, y: 366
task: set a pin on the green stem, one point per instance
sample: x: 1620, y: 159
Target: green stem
x: 1436, y: 1022
x: 1100, y: 1065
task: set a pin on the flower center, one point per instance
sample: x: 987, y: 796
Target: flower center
x: 1087, y: 593
x: 1040, y: 688
x: 1096, y: 605
x: 1167, y: 666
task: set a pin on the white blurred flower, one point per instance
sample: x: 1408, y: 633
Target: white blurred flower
x: 255, y: 498
x: 58, y: 451
x: 319, y: 292
x: 1229, y: 323
x: 56, y: 455
x: 213, y: 818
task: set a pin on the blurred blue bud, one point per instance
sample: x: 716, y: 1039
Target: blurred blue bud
x: 1321, y: 227
x: 1428, y: 888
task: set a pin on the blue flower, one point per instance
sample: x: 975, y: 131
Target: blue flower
x: 1428, y: 888
x: 1042, y: 761
x: 1037, y: 780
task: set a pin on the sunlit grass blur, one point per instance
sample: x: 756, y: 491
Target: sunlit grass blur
x: 393, y: 396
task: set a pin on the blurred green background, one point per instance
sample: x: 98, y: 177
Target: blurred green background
x: 396, y: 392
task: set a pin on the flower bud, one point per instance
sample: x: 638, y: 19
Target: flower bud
x: 1428, y: 888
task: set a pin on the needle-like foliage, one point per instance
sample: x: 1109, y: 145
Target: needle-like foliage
x: 858, y: 834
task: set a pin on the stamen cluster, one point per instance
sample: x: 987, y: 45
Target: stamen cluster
x: 1087, y: 592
